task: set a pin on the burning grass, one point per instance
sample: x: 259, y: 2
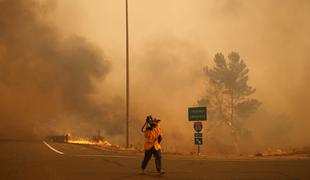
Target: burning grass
x: 90, y: 142
x: 95, y: 140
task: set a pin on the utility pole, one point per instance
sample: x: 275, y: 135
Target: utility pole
x: 127, y: 79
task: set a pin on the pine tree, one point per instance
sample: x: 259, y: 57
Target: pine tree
x: 227, y: 94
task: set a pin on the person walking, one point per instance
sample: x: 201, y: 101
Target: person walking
x: 152, y: 146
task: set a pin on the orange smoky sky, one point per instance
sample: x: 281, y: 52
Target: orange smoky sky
x: 172, y: 40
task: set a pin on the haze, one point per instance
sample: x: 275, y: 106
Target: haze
x: 170, y: 43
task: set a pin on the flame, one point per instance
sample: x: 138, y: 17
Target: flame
x: 85, y: 141
x: 80, y: 142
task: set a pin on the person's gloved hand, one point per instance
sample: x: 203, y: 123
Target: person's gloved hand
x: 149, y: 128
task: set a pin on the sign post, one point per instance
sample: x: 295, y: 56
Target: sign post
x: 198, y: 135
x: 197, y: 114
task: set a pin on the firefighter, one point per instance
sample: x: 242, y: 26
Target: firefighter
x: 153, y: 138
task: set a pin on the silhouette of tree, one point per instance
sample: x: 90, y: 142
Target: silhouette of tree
x: 227, y: 94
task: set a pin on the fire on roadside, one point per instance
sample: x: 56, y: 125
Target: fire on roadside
x: 86, y: 141
x: 97, y: 140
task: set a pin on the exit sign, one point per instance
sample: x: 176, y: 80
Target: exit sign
x: 197, y: 113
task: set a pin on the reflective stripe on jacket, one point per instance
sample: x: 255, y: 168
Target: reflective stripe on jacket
x: 151, y: 138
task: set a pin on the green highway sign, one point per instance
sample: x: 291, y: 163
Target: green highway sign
x: 197, y: 113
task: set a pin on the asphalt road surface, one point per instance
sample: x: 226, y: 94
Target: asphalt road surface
x: 22, y: 159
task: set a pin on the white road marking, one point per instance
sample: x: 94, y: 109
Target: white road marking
x: 55, y: 150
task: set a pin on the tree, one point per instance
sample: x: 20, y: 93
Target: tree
x: 227, y: 94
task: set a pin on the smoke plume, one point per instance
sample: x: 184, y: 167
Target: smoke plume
x: 48, y: 79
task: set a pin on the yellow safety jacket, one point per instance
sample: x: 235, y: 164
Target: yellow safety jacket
x: 151, y: 138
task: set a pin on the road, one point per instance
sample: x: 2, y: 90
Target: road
x: 32, y: 159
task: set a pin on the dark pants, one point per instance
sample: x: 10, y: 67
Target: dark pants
x: 147, y: 156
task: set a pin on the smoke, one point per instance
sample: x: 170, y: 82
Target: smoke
x: 282, y: 62
x: 164, y: 83
x: 168, y: 50
x: 271, y: 36
x: 47, y: 80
